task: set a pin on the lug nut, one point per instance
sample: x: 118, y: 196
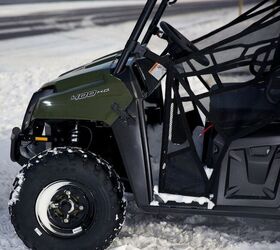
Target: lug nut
x: 81, y: 208
x: 53, y: 205
x: 66, y: 221
x: 68, y: 192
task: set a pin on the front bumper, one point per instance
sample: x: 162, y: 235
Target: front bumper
x: 24, y: 147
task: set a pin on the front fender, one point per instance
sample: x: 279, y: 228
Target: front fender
x: 91, y: 101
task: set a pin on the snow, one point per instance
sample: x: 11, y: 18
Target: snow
x: 15, y: 195
x: 154, y: 203
x: 25, y: 64
x: 195, y: 232
x: 182, y: 199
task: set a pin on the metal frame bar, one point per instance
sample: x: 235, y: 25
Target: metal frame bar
x: 132, y: 41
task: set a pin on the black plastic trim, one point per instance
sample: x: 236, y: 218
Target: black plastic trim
x: 14, y: 151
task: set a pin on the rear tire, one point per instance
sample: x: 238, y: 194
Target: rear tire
x: 67, y: 199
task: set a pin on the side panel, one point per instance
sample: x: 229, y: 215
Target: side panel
x: 250, y: 173
x: 131, y: 142
x: 91, y: 101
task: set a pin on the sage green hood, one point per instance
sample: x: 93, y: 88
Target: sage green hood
x: 84, y: 74
x: 85, y: 93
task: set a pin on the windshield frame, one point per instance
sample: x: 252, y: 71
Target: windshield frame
x: 138, y: 30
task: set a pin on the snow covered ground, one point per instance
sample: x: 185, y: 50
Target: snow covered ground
x: 25, y: 64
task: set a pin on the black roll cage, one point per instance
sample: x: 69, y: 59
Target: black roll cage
x: 138, y: 29
x: 265, y: 17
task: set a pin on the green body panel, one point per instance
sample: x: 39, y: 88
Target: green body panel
x: 86, y: 93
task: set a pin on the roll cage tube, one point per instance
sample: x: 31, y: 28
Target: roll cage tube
x: 142, y: 21
x: 152, y: 30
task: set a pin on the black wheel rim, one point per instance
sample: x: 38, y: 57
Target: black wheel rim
x: 65, y: 209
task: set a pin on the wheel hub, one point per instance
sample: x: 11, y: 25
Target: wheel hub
x: 68, y: 207
x: 65, y: 208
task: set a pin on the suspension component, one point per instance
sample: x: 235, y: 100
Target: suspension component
x: 75, y: 135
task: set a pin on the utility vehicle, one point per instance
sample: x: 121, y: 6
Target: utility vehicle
x: 194, y: 129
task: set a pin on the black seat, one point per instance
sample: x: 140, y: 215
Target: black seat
x: 241, y: 107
